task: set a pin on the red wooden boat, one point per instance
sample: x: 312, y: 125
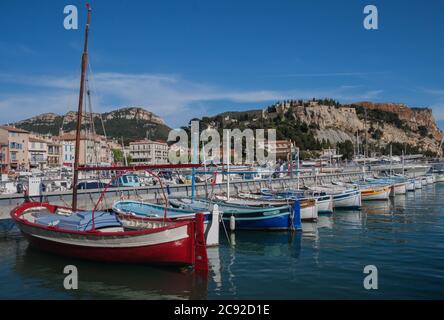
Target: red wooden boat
x: 153, y: 241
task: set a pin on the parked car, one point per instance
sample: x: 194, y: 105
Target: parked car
x: 90, y: 185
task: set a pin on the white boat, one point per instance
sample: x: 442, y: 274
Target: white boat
x: 375, y: 192
x: 424, y: 181
x: 398, y: 188
x: 418, y: 183
x: 430, y: 179
x: 410, y: 185
x: 309, y: 208
x: 348, y: 199
x: 324, y: 204
x: 342, y: 198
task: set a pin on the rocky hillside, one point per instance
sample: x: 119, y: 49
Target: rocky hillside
x: 318, y: 124
x: 130, y: 123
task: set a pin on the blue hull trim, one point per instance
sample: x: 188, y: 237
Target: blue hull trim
x: 276, y: 222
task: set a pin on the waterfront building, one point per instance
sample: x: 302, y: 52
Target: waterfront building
x: 37, y: 153
x: 54, y: 154
x: 93, y: 149
x: 4, y: 156
x: 14, y: 148
x: 148, y: 152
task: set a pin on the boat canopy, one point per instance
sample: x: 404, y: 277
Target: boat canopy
x: 79, y: 221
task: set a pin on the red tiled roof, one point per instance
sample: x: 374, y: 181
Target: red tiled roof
x: 14, y: 129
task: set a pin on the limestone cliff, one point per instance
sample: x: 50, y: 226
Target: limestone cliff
x: 326, y: 120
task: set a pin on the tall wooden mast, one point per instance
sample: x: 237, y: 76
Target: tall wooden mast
x: 79, y: 112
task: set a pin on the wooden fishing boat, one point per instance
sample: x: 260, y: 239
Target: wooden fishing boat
x: 348, y: 199
x: 150, y: 210
x: 308, y: 207
x: 398, y: 188
x: 410, y: 186
x: 126, y: 240
x: 430, y: 179
x: 286, y: 217
x: 375, y: 192
x: 343, y: 198
x: 418, y: 183
x: 322, y: 203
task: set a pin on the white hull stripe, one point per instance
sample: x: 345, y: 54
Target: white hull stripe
x: 165, y: 236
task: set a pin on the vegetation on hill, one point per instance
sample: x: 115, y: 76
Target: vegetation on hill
x: 117, y: 126
x: 281, y: 116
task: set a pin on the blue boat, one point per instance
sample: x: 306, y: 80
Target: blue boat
x: 248, y: 217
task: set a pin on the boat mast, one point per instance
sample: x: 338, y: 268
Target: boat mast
x: 79, y: 112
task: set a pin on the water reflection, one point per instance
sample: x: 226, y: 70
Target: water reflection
x: 353, y: 219
x: 377, y: 207
x: 114, y: 280
x: 268, y: 243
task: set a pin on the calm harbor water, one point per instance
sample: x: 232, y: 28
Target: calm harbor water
x: 403, y: 238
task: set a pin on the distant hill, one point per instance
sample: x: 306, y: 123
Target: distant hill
x: 130, y: 123
x: 324, y: 123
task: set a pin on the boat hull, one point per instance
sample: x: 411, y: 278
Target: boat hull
x: 410, y: 186
x: 309, y: 210
x: 168, y: 253
x: 276, y: 222
x: 324, y: 204
x: 398, y: 189
x: 347, y: 200
x: 418, y: 184
x: 376, y: 193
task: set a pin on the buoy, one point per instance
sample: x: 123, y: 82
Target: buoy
x: 232, y: 223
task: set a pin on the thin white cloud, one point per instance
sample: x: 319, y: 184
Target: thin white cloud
x: 170, y: 96
x: 329, y: 74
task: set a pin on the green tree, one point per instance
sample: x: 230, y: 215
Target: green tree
x: 346, y: 149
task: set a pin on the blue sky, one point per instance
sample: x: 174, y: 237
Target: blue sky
x: 188, y: 58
